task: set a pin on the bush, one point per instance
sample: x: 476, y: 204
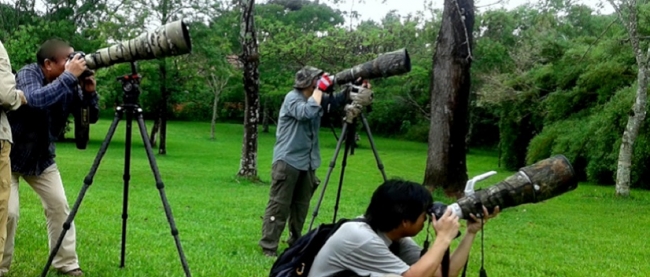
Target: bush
x: 592, y: 142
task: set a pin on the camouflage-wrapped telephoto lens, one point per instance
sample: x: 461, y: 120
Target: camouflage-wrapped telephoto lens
x: 172, y: 39
x: 385, y: 65
x: 541, y: 181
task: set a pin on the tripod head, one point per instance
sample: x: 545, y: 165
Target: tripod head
x: 358, y: 98
x: 131, y: 86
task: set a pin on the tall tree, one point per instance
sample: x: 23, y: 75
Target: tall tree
x: 450, y: 88
x: 637, y: 114
x: 250, y: 60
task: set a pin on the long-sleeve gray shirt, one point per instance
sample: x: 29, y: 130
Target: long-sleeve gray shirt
x: 298, y: 126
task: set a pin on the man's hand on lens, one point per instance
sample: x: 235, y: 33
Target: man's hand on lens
x: 76, y: 65
x: 446, y: 226
x: 362, y: 82
x: 88, y: 84
x: 474, y: 225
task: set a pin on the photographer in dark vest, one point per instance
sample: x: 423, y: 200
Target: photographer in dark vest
x: 54, y: 90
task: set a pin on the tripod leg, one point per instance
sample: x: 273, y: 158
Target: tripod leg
x: 372, y: 144
x: 161, y: 188
x: 333, y: 131
x: 126, y: 177
x: 329, y: 172
x: 87, y: 182
x: 349, y: 139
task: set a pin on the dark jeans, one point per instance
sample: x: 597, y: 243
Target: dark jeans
x: 291, y: 192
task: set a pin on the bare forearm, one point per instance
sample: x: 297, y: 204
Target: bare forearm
x: 461, y: 254
x: 429, y: 263
x: 318, y: 95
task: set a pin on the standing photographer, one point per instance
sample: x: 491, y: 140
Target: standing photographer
x: 10, y: 100
x: 53, y: 90
x: 296, y: 155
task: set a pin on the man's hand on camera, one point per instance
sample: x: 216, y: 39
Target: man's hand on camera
x: 363, y: 83
x: 324, y: 84
x: 446, y: 226
x: 474, y: 225
x: 76, y: 65
x: 88, y: 84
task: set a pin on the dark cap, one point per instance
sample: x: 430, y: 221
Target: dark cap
x: 305, y: 77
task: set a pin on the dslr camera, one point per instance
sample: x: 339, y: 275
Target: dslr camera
x: 82, y: 114
x: 82, y: 55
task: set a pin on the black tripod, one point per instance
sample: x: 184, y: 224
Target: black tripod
x: 347, y: 134
x: 130, y: 87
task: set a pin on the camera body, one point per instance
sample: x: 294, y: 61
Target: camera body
x: 437, y: 209
x: 86, y: 72
x: 82, y: 116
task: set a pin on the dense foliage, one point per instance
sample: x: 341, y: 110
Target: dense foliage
x: 548, y: 78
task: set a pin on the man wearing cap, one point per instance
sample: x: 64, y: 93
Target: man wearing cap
x: 296, y: 155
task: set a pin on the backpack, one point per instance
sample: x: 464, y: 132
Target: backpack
x: 299, y: 257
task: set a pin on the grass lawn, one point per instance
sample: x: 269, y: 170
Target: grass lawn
x: 587, y: 232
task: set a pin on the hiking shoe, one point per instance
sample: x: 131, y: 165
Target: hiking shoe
x: 270, y: 253
x: 74, y: 272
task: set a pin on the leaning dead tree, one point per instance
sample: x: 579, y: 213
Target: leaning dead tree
x: 636, y: 116
x: 250, y: 60
x: 450, y: 87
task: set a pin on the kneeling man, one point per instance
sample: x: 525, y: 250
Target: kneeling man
x: 382, y: 244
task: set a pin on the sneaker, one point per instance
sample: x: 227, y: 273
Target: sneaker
x: 74, y: 272
x: 270, y: 253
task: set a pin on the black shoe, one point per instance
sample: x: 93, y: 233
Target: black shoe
x: 270, y: 253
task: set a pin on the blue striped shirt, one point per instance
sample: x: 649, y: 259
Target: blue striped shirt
x: 36, y: 126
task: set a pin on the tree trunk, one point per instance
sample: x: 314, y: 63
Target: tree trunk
x: 265, y: 120
x: 214, y: 114
x: 154, y: 131
x: 634, y: 122
x: 250, y: 59
x: 162, y: 148
x: 637, y: 114
x: 450, y: 88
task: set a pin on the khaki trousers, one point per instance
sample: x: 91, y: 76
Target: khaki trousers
x: 5, y: 191
x: 289, y: 197
x: 50, y: 189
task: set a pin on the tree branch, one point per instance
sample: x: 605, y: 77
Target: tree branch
x: 597, y: 39
x: 410, y: 100
x: 495, y: 3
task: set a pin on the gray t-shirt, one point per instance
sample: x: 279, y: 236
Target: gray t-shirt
x: 356, y: 247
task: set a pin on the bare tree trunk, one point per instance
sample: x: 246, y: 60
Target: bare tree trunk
x: 265, y: 120
x: 162, y: 148
x: 154, y: 131
x: 215, y: 111
x: 638, y: 112
x: 250, y: 59
x: 214, y: 116
x: 217, y: 84
x: 450, y: 88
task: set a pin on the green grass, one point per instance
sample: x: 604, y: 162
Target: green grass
x: 588, y: 232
